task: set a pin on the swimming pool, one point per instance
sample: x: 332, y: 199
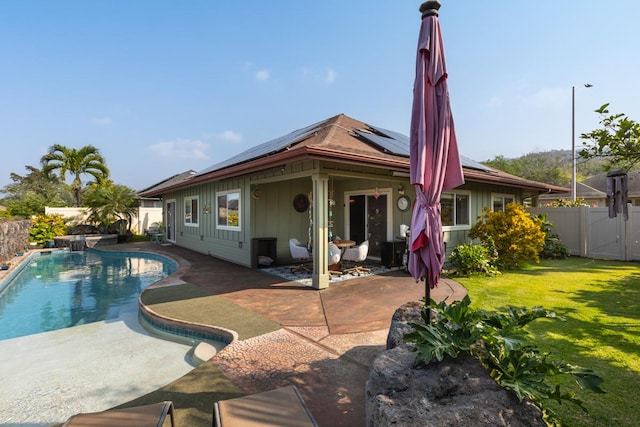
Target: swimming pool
x: 61, y: 289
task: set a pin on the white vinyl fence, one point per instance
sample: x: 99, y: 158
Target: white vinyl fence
x: 589, y: 232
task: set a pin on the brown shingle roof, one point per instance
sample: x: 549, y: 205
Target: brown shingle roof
x: 343, y: 139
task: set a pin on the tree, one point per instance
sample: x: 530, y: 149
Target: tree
x: 86, y: 160
x: 548, y: 167
x: 109, y: 203
x: 618, y: 140
x: 28, y: 195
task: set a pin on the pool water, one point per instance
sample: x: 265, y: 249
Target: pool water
x: 61, y: 289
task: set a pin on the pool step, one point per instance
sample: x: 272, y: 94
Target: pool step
x: 204, y: 351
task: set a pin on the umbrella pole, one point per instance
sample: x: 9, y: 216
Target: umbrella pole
x: 427, y: 297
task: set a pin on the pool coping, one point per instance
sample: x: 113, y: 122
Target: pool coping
x: 176, y: 328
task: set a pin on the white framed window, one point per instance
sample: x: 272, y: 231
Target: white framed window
x: 228, y: 210
x: 500, y: 201
x: 191, y: 207
x: 455, y: 210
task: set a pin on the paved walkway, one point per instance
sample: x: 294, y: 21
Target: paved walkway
x: 329, y: 337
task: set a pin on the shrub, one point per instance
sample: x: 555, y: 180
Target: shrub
x: 552, y: 247
x: 568, y: 203
x: 470, y: 259
x: 515, y: 234
x: 46, y: 227
x: 497, y: 340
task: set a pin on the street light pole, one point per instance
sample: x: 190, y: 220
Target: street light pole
x: 573, y: 141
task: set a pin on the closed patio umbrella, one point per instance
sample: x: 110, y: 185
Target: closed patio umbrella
x: 434, y: 159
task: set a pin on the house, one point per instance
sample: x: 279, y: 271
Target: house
x: 338, y: 177
x: 594, y: 191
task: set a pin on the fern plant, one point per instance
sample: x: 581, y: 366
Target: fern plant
x: 498, y: 341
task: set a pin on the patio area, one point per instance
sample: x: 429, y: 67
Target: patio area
x: 324, y: 341
x: 304, y: 277
x: 327, y: 341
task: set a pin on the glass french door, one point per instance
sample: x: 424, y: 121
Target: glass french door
x: 369, y: 220
x: 170, y: 223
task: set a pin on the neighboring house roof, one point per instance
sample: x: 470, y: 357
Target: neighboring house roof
x: 169, y: 182
x: 596, y: 188
x: 346, y: 140
x: 599, y: 182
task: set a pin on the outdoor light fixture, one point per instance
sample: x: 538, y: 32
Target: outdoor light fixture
x: 573, y: 140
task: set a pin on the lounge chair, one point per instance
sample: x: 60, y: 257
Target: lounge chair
x: 154, y: 415
x: 282, y: 407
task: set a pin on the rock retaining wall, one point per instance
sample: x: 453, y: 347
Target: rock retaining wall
x: 14, y: 238
x: 454, y: 392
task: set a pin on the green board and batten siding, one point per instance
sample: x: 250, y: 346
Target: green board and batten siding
x: 273, y: 215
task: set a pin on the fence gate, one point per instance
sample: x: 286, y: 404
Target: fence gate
x: 589, y: 232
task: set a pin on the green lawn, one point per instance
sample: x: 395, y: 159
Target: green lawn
x: 600, y: 301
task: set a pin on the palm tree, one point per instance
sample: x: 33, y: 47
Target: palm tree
x: 86, y: 160
x: 109, y: 203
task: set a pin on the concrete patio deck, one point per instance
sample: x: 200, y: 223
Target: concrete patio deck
x: 329, y: 338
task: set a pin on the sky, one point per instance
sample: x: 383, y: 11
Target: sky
x: 161, y: 87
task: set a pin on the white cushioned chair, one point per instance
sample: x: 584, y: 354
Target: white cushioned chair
x: 300, y: 253
x: 355, y: 256
x: 334, y: 258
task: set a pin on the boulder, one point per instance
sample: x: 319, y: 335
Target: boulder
x: 455, y: 392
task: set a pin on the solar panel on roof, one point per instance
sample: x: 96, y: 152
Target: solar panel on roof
x: 391, y: 142
x: 472, y: 164
x: 386, y: 140
x: 263, y: 149
x: 402, y: 144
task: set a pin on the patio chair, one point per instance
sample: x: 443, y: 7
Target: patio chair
x: 300, y: 253
x: 154, y: 415
x: 280, y: 407
x: 334, y: 259
x: 355, y: 256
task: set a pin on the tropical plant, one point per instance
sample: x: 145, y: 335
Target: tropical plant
x: 552, y: 248
x: 471, y: 259
x: 109, y: 203
x: 618, y: 140
x: 498, y: 341
x: 86, y: 160
x: 515, y: 234
x: 46, y: 227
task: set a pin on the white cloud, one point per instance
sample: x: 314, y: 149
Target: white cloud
x: 101, y: 121
x: 231, y: 136
x: 330, y: 75
x: 181, y: 148
x: 262, y: 74
x: 226, y: 136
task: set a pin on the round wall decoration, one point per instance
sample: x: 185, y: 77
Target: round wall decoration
x: 403, y: 203
x: 301, y: 203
